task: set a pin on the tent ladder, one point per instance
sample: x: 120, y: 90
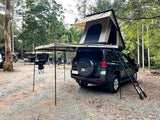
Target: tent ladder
x: 134, y: 81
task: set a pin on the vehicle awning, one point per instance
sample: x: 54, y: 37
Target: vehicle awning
x: 50, y: 53
x: 69, y: 47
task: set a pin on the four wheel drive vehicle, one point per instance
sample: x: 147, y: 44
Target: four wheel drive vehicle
x: 1, y: 60
x: 99, y: 58
x: 31, y: 58
x: 41, y: 59
x: 14, y: 57
x: 39, y: 56
x: 101, y: 67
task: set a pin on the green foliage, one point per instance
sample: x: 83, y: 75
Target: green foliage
x: 75, y: 34
x: 131, y: 14
x: 101, y: 5
x: 82, y: 7
x: 42, y: 23
x: 2, y: 41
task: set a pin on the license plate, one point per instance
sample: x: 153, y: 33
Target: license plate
x: 103, y: 72
x: 74, y: 72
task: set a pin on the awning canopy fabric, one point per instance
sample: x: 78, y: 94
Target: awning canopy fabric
x: 50, y: 53
x: 69, y: 47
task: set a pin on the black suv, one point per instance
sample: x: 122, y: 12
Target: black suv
x: 102, y: 67
x: 1, y: 60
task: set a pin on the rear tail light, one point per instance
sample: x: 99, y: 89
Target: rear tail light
x: 72, y: 61
x: 99, y: 81
x: 104, y: 63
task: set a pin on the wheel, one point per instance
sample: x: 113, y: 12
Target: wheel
x: 134, y: 77
x: 82, y: 84
x: 115, y: 84
x: 85, y: 67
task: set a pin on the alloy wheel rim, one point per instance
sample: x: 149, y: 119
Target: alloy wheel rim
x: 135, y: 75
x: 116, y: 84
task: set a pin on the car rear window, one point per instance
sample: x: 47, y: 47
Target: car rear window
x: 91, y: 54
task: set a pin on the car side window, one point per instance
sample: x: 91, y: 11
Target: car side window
x: 110, y: 56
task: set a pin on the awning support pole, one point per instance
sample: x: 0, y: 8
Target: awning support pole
x: 64, y: 66
x: 34, y: 72
x: 120, y: 91
x: 55, y: 76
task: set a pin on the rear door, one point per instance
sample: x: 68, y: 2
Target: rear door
x: 128, y: 65
x: 114, y: 63
x: 93, y: 55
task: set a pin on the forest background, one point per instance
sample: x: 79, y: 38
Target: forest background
x: 40, y: 22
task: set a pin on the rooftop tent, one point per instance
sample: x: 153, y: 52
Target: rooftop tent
x: 101, y: 28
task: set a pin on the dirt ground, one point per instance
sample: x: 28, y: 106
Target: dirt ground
x: 19, y: 102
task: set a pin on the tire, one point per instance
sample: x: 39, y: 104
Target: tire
x: 82, y: 84
x: 134, y: 76
x: 115, y: 84
x: 85, y: 67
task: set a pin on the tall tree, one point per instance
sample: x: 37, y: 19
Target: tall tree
x: 8, y: 64
x: 2, y: 42
x: 75, y: 34
x: 42, y: 23
x: 82, y: 7
x: 100, y: 5
x: 131, y: 14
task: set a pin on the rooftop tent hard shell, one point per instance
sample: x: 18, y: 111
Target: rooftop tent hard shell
x: 101, y: 28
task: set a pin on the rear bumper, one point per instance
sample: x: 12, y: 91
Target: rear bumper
x: 101, y: 78
x: 87, y: 79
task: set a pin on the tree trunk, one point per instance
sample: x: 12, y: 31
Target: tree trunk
x: 12, y: 30
x: 8, y: 65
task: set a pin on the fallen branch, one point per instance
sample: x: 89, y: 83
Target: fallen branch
x: 155, y: 72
